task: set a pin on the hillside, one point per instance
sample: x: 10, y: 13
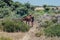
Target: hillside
x: 16, y: 21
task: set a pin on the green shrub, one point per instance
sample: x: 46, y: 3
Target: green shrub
x: 53, y: 30
x: 4, y: 38
x: 54, y: 20
x: 43, y: 24
x: 46, y: 23
x: 14, y: 26
x: 38, y: 34
x: 23, y: 27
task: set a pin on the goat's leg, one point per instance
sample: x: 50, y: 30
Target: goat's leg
x: 32, y: 24
x: 26, y: 22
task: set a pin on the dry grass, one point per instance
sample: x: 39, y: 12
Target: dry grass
x: 14, y: 36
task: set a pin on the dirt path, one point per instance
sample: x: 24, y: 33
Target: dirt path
x: 31, y: 34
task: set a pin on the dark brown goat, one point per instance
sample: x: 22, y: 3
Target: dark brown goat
x: 29, y: 19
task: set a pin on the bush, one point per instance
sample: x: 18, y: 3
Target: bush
x: 43, y: 24
x: 53, y: 30
x: 13, y: 26
x: 38, y: 34
x: 54, y: 20
x: 46, y: 23
x: 4, y: 38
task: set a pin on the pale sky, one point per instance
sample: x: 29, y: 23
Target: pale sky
x: 41, y: 2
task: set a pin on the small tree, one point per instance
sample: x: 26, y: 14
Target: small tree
x: 27, y: 5
x: 22, y: 11
x: 46, y: 9
x: 44, y: 6
x: 7, y: 1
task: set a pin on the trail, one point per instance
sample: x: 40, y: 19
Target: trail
x: 31, y: 33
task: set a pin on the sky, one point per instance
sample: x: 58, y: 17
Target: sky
x: 41, y: 2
